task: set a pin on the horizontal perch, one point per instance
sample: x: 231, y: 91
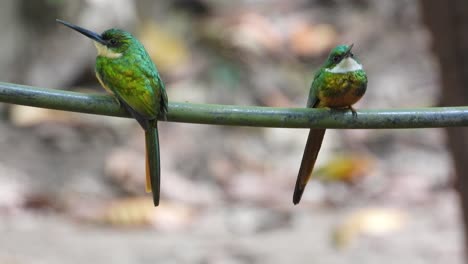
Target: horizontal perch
x: 241, y: 115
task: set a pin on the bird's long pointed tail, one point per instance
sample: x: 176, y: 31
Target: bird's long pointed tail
x: 312, y: 148
x: 153, y: 167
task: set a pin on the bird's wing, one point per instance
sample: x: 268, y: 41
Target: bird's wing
x: 163, y: 103
x: 133, y: 87
x: 313, y: 100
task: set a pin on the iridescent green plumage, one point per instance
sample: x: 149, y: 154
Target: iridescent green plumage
x: 125, y: 69
x: 339, y: 83
x: 132, y: 77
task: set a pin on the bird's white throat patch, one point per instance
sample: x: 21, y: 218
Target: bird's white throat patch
x: 346, y: 65
x: 106, y: 52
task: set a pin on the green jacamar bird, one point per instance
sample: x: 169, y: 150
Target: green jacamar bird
x: 124, y: 69
x: 339, y: 83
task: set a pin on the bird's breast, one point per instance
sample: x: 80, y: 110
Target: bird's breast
x: 342, y: 90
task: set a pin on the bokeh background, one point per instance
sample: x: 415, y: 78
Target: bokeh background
x: 72, y: 185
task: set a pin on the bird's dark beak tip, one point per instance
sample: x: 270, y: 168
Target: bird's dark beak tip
x: 63, y: 22
x: 350, y: 47
x: 88, y: 33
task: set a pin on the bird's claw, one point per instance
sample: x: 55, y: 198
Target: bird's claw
x: 353, y: 111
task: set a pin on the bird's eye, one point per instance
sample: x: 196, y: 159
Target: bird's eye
x: 336, y: 58
x: 351, y: 55
x: 113, y: 42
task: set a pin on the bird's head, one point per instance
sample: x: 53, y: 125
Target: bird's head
x: 342, y: 60
x: 112, y: 43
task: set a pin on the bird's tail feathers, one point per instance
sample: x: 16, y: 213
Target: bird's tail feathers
x: 153, y: 167
x: 312, y: 148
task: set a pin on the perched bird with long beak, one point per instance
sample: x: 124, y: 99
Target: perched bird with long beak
x: 339, y: 83
x: 124, y: 69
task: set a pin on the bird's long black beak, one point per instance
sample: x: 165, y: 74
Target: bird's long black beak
x: 348, y: 52
x: 90, y: 34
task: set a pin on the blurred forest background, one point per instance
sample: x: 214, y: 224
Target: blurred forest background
x: 72, y: 185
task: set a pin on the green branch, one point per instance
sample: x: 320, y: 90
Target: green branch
x: 241, y: 115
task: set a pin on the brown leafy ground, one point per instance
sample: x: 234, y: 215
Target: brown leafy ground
x: 71, y: 185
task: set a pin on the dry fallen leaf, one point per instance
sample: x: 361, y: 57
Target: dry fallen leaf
x: 126, y: 167
x: 345, y: 168
x: 166, y: 49
x: 306, y: 40
x: 370, y: 221
x: 242, y: 33
x: 140, y: 211
x: 29, y: 116
x: 256, y: 33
